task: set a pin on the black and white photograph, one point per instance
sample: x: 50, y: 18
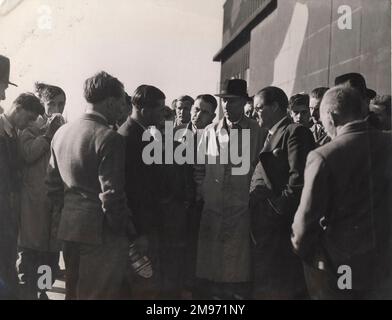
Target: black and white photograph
x: 214, y: 152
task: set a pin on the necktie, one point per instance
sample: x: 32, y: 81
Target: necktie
x: 267, y: 141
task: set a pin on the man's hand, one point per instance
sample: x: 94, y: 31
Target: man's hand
x: 54, y: 124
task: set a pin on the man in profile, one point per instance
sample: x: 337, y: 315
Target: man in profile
x: 319, y: 134
x: 276, y: 189
x: 86, y: 182
x: 142, y: 183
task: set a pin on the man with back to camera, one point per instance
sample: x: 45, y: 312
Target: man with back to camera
x: 344, y: 217
x: 86, y: 180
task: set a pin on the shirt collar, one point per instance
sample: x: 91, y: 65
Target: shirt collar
x: 8, y: 128
x: 140, y: 124
x: 243, y: 123
x: 345, y: 128
x: 95, y: 113
x: 276, y: 126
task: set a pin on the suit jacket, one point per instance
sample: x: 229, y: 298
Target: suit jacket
x: 276, y: 189
x: 86, y: 178
x: 278, y: 178
x: 143, y: 182
x: 345, y: 211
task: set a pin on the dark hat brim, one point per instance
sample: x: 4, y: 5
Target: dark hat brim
x: 12, y: 84
x: 371, y: 93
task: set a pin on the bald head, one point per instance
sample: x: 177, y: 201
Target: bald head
x: 340, y: 106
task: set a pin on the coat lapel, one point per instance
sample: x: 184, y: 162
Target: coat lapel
x: 267, y: 157
x: 277, y: 136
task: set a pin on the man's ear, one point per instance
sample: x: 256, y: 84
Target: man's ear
x: 334, y: 118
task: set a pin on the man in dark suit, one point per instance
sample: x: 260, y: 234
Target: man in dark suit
x: 143, y: 184
x: 24, y: 110
x: 275, y: 192
x: 344, y: 219
x: 86, y: 180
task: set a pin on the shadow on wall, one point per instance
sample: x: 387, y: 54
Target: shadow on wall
x: 268, y: 47
x: 6, y: 6
x: 298, y: 48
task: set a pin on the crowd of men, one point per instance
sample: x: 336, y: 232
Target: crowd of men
x: 316, y: 197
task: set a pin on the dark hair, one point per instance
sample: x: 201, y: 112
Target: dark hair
x: 383, y: 100
x: 207, y: 98
x: 146, y: 96
x: 274, y: 94
x: 318, y: 93
x: 299, y: 100
x: 128, y: 100
x: 48, y: 92
x: 102, y: 86
x: 185, y: 99
x: 29, y: 102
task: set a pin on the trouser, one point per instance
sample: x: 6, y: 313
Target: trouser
x: 8, y: 274
x: 8, y: 249
x: 96, y: 272
x: 173, y: 245
x: 31, y: 261
x: 191, y: 248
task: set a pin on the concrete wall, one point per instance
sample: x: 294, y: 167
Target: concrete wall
x: 299, y: 45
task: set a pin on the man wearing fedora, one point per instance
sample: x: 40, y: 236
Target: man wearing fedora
x: 7, y: 175
x: 275, y: 193
x: 358, y: 82
x: 223, y: 258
